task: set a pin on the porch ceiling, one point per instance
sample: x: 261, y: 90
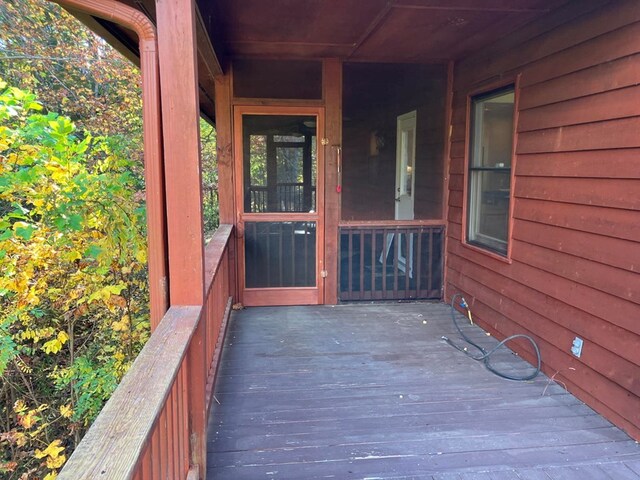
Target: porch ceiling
x: 423, y: 31
x: 414, y: 31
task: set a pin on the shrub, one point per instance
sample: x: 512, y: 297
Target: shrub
x: 73, y: 282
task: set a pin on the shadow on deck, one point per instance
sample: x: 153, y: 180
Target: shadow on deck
x: 372, y: 392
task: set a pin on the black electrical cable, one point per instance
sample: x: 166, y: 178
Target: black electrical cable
x: 485, y: 355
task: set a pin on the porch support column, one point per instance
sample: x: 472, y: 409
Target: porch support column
x: 177, y: 50
x: 154, y: 176
x: 226, y: 193
x: 332, y: 86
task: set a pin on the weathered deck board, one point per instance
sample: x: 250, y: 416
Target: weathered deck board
x: 371, y: 391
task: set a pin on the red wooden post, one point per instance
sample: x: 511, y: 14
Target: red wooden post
x: 447, y: 172
x: 332, y: 81
x: 224, y: 136
x: 154, y: 176
x: 180, y: 118
x: 180, y: 115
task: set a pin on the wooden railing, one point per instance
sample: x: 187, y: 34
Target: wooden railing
x: 391, y: 262
x: 154, y: 425
x: 287, y: 197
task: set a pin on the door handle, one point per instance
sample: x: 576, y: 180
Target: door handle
x: 398, y: 199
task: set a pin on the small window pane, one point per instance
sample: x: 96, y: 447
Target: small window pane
x: 280, y: 163
x: 492, y: 138
x: 489, y: 211
x: 490, y: 169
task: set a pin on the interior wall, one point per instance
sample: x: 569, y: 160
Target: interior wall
x: 575, y: 239
x: 374, y: 95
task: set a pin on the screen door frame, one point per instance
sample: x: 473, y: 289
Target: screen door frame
x: 266, y: 296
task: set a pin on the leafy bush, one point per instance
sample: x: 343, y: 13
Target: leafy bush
x: 208, y: 151
x: 73, y: 282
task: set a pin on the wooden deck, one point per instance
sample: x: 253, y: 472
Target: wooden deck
x: 372, y: 392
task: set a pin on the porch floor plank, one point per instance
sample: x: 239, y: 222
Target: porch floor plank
x: 371, y: 391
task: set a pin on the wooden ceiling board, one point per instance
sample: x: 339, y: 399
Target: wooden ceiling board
x: 484, y: 5
x: 509, y: 23
x: 287, y: 50
x: 421, y: 35
x: 294, y: 21
x: 372, y: 30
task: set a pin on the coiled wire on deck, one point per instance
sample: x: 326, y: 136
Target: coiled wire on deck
x: 485, y: 355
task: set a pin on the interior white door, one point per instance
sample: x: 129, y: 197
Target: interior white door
x: 405, y: 166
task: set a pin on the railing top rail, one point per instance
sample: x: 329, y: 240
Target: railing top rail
x: 115, y: 441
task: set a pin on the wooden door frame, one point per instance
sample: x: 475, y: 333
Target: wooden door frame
x: 284, y: 295
x: 409, y: 116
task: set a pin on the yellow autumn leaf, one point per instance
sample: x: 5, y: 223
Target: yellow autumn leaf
x: 71, y: 256
x: 32, y: 298
x: 52, y: 346
x: 28, y: 420
x: 66, y: 411
x: 141, y: 256
x: 63, y: 337
x: 19, y: 406
x: 53, y: 450
x: 27, y: 334
x: 121, y: 325
x: 21, y: 439
x: 56, y: 462
x: 51, y: 476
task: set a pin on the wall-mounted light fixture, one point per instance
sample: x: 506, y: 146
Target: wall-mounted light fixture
x: 376, y: 143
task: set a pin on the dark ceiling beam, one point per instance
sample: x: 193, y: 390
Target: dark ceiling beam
x: 473, y: 9
x: 382, y: 16
x: 285, y: 44
x: 373, y: 26
x: 205, y: 48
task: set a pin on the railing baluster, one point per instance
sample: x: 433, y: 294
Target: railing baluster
x: 362, y: 263
x: 180, y: 419
x: 350, y: 277
x: 164, y: 445
x: 373, y: 264
x: 281, y: 253
x: 396, y: 250
x: 145, y: 472
x: 169, y: 415
x: 430, y: 261
x: 383, y: 258
x: 408, y: 254
x: 175, y: 394
x: 155, y: 449
x: 418, y: 273
x: 268, y: 255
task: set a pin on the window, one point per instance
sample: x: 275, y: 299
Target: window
x: 490, y: 152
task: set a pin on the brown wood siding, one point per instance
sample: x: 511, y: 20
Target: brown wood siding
x: 575, y: 243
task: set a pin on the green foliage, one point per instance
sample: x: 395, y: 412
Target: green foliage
x: 73, y: 288
x: 44, y: 49
x: 209, y: 154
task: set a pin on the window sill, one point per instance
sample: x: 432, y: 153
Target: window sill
x: 496, y: 256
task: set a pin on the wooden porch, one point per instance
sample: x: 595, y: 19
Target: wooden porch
x: 372, y: 391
